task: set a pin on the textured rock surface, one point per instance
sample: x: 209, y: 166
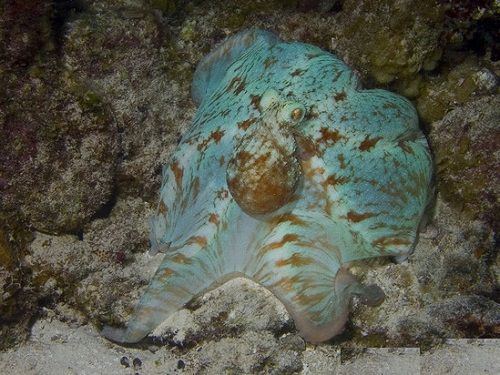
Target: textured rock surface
x: 390, y: 45
x: 127, y: 55
x: 17, y: 300
x: 92, y: 272
x: 236, y: 307
x: 10, y: 288
x: 455, y: 256
x: 25, y: 28
x: 463, y: 82
x: 446, y: 289
x: 465, y: 143
x: 59, y: 150
x: 474, y: 25
x: 57, y: 348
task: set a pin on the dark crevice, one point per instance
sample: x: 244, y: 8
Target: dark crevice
x: 106, y: 208
x: 63, y: 11
x: 486, y: 37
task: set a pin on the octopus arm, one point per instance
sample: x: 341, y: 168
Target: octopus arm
x: 213, y: 68
x: 206, y: 258
x: 183, y: 274
x: 304, y: 266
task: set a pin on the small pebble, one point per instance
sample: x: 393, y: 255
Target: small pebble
x: 137, y: 362
x: 293, y: 342
x: 125, y: 362
x: 181, y: 364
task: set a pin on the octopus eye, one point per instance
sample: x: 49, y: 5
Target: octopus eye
x: 297, y: 114
x: 292, y: 113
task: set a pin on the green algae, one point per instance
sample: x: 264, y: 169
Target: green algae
x: 390, y: 47
x: 454, y: 87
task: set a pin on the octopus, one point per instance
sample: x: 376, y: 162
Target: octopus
x: 289, y: 174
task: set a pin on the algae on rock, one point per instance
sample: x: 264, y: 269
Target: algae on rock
x: 390, y: 41
x: 128, y: 56
x: 451, y: 89
x: 465, y: 145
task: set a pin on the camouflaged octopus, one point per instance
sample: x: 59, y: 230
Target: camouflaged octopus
x: 289, y: 173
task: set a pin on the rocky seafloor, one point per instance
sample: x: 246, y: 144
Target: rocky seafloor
x: 94, y: 96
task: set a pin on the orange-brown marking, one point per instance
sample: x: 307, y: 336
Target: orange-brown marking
x: 334, y: 180
x: 178, y: 172
x: 306, y: 300
x: 340, y: 96
x: 311, y: 172
x: 296, y: 260
x: 192, y: 140
x: 255, y: 100
x: 368, y: 143
x: 341, y: 159
x: 393, y: 191
x: 203, y: 145
x: 308, y: 171
x: 243, y: 125
x: 237, y: 85
x: 276, y: 245
x: 385, y: 241
x: 181, y: 258
x: 221, y: 160
x: 166, y: 273
x: 420, y: 183
x: 356, y: 217
x: 222, y: 194
x: 405, y: 147
x: 162, y: 207
x: 199, y: 240
x: 261, y: 160
x: 311, y: 113
x: 269, y: 61
x: 215, y: 136
x: 297, y: 72
x: 288, y: 283
x: 242, y: 158
x: 261, y: 186
x: 328, y: 135
x: 240, y: 88
x: 213, y: 218
x: 306, y: 147
x: 294, y: 219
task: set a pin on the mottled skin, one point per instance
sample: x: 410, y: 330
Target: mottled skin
x: 352, y: 163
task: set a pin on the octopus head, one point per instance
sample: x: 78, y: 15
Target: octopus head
x: 264, y: 171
